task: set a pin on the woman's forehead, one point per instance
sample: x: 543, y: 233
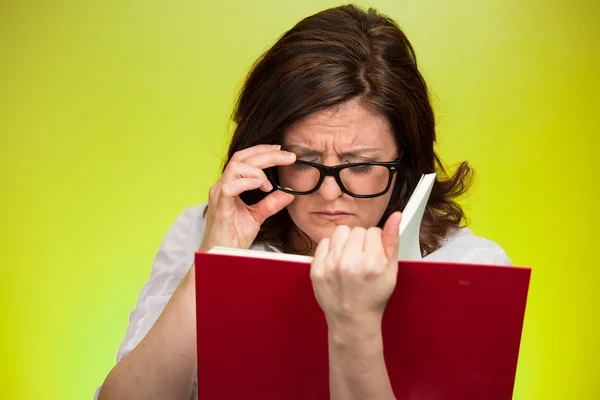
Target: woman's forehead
x: 349, y: 128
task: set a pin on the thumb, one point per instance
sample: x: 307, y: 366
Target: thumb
x: 391, y: 236
x: 270, y: 205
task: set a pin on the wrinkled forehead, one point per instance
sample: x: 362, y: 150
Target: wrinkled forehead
x: 346, y: 128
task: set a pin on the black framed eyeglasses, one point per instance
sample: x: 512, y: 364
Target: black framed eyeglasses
x: 361, y: 180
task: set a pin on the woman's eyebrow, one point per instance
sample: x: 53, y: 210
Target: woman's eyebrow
x: 300, y: 150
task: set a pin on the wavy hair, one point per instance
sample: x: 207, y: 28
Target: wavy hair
x: 329, y: 58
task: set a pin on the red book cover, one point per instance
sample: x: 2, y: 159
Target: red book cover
x: 450, y: 331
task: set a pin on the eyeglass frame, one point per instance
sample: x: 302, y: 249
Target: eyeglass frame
x: 334, y: 170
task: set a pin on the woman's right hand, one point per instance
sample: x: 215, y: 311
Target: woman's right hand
x: 229, y: 221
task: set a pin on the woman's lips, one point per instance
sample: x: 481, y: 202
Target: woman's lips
x: 332, y: 215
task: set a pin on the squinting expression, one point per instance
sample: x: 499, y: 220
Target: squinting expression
x: 347, y: 134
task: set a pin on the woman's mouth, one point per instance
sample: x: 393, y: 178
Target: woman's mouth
x: 332, y: 215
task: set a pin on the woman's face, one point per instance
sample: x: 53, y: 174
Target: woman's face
x: 349, y: 133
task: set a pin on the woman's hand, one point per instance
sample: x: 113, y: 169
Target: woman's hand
x: 354, y: 273
x: 232, y: 223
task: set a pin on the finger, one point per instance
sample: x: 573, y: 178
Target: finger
x: 353, y: 249
x: 270, y: 205
x: 391, y: 236
x: 250, y: 151
x: 322, y: 249
x: 236, y: 170
x: 270, y: 159
x: 235, y: 188
x: 317, y: 266
x: 374, y: 258
x: 336, y: 246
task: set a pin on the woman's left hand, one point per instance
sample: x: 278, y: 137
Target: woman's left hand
x: 354, y: 273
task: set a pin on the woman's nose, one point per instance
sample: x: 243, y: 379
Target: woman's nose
x: 329, y: 189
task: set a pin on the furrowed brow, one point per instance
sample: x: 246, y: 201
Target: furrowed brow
x: 302, y: 151
x: 358, y: 153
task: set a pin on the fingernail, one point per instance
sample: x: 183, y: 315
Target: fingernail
x: 276, y: 146
x: 268, y: 186
x: 290, y: 155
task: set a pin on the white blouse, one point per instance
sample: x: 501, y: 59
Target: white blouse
x: 175, y: 256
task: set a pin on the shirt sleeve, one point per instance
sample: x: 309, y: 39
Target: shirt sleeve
x: 491, y: 253
x: 465, y: 247
x: 173, y: 259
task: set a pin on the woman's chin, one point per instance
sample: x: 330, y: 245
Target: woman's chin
x: 323, y: 233
x: 318, y: 233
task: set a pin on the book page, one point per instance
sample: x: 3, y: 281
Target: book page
x: 260, y: 254
x: 412, y: 216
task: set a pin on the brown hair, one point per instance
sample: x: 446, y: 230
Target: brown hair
x: 329, y: 58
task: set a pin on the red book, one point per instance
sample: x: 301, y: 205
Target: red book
x: 451, y: 331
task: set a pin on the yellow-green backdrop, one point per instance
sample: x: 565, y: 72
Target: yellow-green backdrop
x: 114, y: 118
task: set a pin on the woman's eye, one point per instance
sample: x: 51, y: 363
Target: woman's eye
x: 362, y: 169
x: 300, y: 167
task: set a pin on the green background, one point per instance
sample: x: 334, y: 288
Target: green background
x: 114, y: 117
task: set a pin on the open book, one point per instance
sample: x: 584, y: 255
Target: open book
x: 409, y: 231
x: 450, y: 330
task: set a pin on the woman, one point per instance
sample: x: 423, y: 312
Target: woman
x: 341, y: 87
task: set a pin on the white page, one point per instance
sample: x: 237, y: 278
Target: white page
x: 260, y: 254
x: 412, y: 216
